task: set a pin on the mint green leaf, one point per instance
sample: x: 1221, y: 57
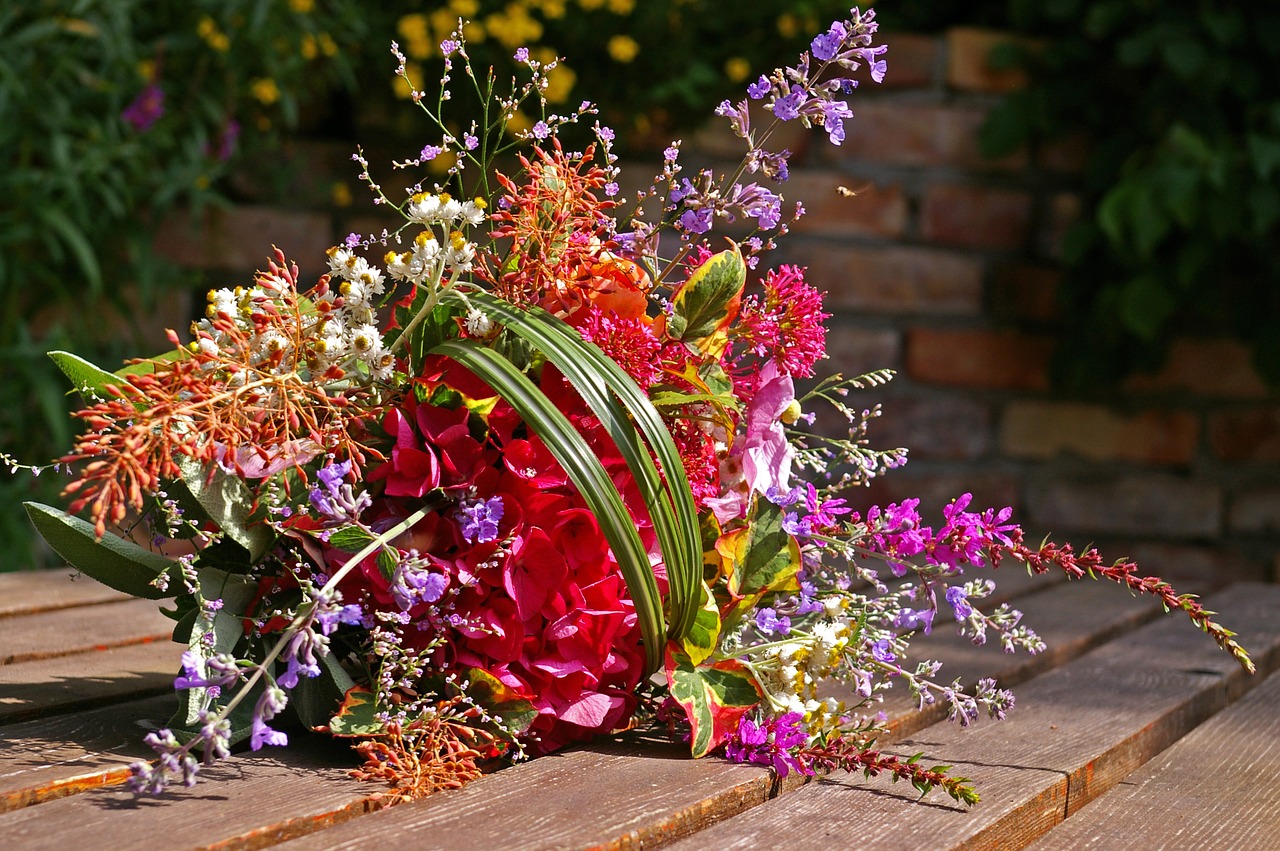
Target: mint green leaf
x: 112, y: 561
x: 349, y: 539
x: 228, y: 502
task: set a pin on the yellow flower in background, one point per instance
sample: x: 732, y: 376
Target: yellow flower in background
x: 514, y: 26
x: 328, y: 46
x: 623, y: 48
x: 265, y: 90
x: 445, y: 21
x: 560, y: 80
x: 464, y: 8
x: 443, y: 162
x: 340, y: 194
x: 302, y: 7
x: 401, y: 86
x: 622, y: 7
x: 788, y: 25
x: 212, y: 36
x: 518, y: 123
x: 417, y: 38
x: 737, y: 69
x: 147, y: 69
x: 309, y: 49
x: 550, y: 9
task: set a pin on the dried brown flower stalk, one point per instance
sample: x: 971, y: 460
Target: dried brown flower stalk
x: 432, y: 755
x: 249, y: 392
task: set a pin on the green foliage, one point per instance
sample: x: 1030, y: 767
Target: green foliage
x: 95, y: 155
x: 112, y: 561
x: 1182, y: 188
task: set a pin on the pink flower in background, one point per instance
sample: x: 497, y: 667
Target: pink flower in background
x: 146, y: 109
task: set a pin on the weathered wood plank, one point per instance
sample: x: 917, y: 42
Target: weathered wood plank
x: 30, y: 591
x: 54, y: 757
x: 248, y: 801
x: 628, y: 793
x: 49, y: 686
x: 1218, y: 785
x: 48, y: 634
x: 644, y: 798
x: 1077, y: 732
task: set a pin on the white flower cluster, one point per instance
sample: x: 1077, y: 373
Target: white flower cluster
x: 790, y: 671
x: 349, y: 332
x: 341, y: 332
x: 441, y: 247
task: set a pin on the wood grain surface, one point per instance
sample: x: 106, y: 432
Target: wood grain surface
x: 1217, y: 787
x: 29, y: 591
x: 54, y: 757
x: 47, y: 687
x: 252, y: 801
x: 43, y: 635
x: 1078, y: 731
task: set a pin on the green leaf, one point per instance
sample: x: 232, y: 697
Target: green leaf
x: 1265, y: 153
x: 61, y: 224
x: 584, y: 470
x: 315, y: 699
x: 112, y: 561
x: 237, y: 593
x: 90, y: 380
x: 670, y: 503
x: 714, y: 697
x: 705, y: 634
x: 501, y: 701
x: 765, y: 557
x: 356, y: 715
x: 388, y: 560
x: 349, y: 539
x: 709, y: 300
x: 1145, y: 306
x: 228, y: 502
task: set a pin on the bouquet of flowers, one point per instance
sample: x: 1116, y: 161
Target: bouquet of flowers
x: 540, y: 471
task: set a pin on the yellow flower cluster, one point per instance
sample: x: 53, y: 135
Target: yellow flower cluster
x: 518, y: 23
x: 209, y: 32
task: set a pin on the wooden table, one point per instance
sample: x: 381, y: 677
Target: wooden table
x: 1132, y: 731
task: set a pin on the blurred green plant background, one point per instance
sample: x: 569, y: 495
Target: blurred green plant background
x: 117, y: 113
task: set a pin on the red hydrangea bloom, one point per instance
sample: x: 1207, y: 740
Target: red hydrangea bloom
x: 541, y: 605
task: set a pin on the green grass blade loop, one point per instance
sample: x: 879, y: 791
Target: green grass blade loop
x: 587, y: 474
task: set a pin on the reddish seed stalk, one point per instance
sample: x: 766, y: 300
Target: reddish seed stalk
x: 1050, y: 555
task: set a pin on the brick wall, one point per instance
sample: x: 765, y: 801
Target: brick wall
x: 941, y: 265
